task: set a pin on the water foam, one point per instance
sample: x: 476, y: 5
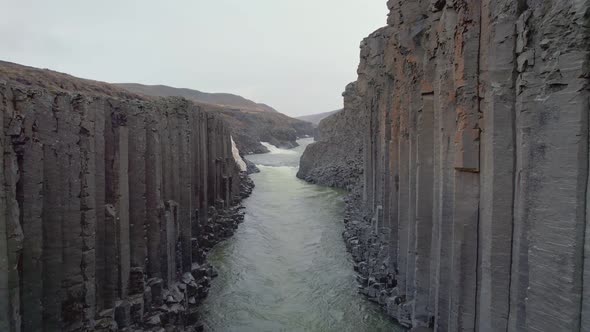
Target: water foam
x: 275, y: 150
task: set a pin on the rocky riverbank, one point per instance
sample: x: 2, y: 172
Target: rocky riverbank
x: 109, y: 204
x: 175, y: 306
x: 369, y: 250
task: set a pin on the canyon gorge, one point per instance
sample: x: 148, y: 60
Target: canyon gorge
x: 450, y: 191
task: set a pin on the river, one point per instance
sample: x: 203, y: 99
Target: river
x: 286, y: 268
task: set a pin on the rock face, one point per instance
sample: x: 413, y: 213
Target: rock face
x: 335, y: 159
x: 108, y: 204
x: 250, y: 123
x: 474, y: 213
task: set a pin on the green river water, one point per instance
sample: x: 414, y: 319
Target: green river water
x: 286, y: 268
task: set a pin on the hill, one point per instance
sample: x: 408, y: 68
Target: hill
x: 316, y: 118
x: 221, y: 99
x: 249, y: 121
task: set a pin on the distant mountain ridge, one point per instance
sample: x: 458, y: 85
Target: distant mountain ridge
x: 316, y: 118
x: 221, y: 99
x: 249, y: 121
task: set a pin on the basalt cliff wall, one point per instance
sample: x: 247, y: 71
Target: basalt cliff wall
x: 475, y: 204
x: 335, y: 159
x: 108, y: 204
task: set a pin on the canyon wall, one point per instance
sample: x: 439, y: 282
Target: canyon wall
x: 108, y: 204
x: 475, y: 202
x: 335, y: 159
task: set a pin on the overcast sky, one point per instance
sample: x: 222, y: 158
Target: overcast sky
x: 295, y: 55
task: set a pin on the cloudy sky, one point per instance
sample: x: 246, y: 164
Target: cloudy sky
x: 295, y: 55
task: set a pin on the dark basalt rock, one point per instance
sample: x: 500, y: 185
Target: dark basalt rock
x: 251, y: 168
x: 473, y: 117
x: 108, y: 200
x: 336, y: 159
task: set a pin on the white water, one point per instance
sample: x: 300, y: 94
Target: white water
x: 275, y: 150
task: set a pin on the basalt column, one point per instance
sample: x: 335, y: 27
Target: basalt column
x: 476, y: 165
x: 497, y: 106
x: 99, y: 204
x: 5, y: 270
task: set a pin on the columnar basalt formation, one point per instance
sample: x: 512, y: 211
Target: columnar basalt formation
x: 475, y: 207
x: 108, y: 204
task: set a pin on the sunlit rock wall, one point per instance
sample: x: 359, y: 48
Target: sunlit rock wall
x: 476, y: 165
x: 106, y: 208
